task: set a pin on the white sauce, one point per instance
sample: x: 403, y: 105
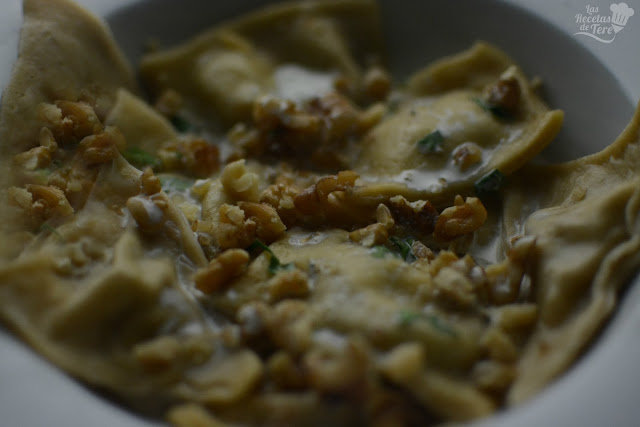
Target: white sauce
x: 299, y: 84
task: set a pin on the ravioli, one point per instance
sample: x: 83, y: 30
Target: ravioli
x: 281, y: 234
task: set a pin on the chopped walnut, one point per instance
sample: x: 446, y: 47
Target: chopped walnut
x: 420, y: 215
x: 466, y: 155
x: 374, y: 234
x: 289, y: 284
x: 403, y: 363
x: 377, y: 83
x: 269, y: 227
x: 239, y: 183
x: 464, y: 217
x: 240, y: 225
x: 234, y: 231
x: 504, y: 95
x: 150, y: 183
x: 506, y: 279
x: 168, y: 103
x: 71, y: 121
x: 195, y: 157
x: 316, y: 197
x: 36, y: 158
x: 47, y: 140
x: 454, y: 289
x: 315, y: 130
x: 227, y: 266
x: 41, y: 202
x: 281, y: 196
x: 337, y: 369
x: 421, y: 251
x: 102, y: 147
x: 285, y: 372
x: 289, y: 325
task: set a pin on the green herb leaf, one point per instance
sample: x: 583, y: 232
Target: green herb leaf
x: 180, y: 124
x: 381, y: 251
x: 490, y: 183
x: 405, y: 248
x: 45, y: 227
x: 431, y: 143
x: 407, y: 318
x: 274, y: 263
x: 175, y: 183
x: 402, y: 248
x: 140, y: 158
x: 494, y: 109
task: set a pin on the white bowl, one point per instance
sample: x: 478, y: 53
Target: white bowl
x: 597, y: 84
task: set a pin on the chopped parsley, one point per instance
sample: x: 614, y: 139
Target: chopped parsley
x: 180, y: 124
x: 494, y: 109
x: 490, y: 183
x: 274, y: 262
x: 402, y: 248
x: 48, y: 228
x: 381, y: 251
x: 431, y: 143
x: 175, y: 183
x: 140, y: 158
x: 407, y: 318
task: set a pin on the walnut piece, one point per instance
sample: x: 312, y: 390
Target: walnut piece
x: 464, y: 217
x: 227, y: 266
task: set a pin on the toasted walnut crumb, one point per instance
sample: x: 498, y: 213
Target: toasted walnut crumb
x: 227, y: 266
x: 195, y: 157
x: 384, y: 217
x: 466, y: 155
x: 504, y: 94
x: 462, y: 218
x: 289, y: 284
x: 101, y: 148
x: 239, y: 183
x: 377, y: 83
x: 281, y: 197
x: 150, y: 183
x: 233, y: 230
x: 71, y: 121
x: 289, y: 326
x: 315, y: 198
x: 36, y: 158
x: 269, y: 227
x: 168, y: 103
x: 374, y: 234
x: 403, y: 363
x: 454, y: 289
x: 40, y: 202
x: 421, y: 251
x: 419, y: 215
x: 47, y: 140
x: 336, y: 370
x: 285, y: 372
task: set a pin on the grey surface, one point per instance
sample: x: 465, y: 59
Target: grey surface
x: 596, y: 84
